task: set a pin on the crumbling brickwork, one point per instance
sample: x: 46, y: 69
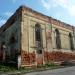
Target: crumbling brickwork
x: 56, y: 40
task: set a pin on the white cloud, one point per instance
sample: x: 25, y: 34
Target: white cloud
x: 14, y: 1
x: 8, y: 14
x: 58, y: 14
x: 5, y: 16
x: 71, y: 10
x: 62, y: 3
x: 65, y: 4
x: 2, y: 21
x: 46, y: 4
x: 54, y: 3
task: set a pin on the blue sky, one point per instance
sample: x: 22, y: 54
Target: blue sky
x: 63, y: 10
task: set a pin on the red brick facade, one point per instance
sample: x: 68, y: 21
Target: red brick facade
x: 30, y: 58
x: 58, y: 56
x: 27, y: 58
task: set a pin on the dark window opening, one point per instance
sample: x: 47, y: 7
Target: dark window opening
x: 38, y: 38
x: 38, y: 32
x: 71, y: 41
x: 4, y: 29
x: 58, y: 41
x: 12, y: 39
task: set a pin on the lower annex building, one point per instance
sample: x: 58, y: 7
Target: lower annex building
x: 31, y: 38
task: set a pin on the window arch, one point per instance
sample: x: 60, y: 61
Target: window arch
x: 58, y: 41
x: 12, y: 39
x: 12, y: 47
x: 38, y: 38
x: 71, y: 41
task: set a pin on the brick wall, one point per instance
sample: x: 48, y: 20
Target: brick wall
x: 27, y: 58
x: 58, y: 56
x: 30, y: 58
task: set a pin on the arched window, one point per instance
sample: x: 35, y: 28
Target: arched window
x: 12, y: 43
x: 58, y: 41
x: 38, y: 38
x: 12, y: 39
x: 71, y: 41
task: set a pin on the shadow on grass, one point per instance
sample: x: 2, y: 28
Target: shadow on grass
x: 6, y: 67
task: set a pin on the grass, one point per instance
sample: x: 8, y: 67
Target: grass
x: 4, y: 68
x: 52, y: 65
x: 47, y: 66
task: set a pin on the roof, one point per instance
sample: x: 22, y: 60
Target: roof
x: 23, y: 8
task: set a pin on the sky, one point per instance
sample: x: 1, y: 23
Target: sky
x: 63, y: 10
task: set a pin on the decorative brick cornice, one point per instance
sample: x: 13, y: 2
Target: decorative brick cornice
x: 47, y: 18
x: 61, y: 24
x: 35, y: 14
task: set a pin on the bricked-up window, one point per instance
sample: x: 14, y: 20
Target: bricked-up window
x: 38, y: 38
x: 58, y: 41
x: 71, y: 41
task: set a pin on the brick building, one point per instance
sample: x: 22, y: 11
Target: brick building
x: 30, y: 38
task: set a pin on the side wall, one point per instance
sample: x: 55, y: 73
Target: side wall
x: 29, y: 55
x: 11, y: 39
x: 65, y: 52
